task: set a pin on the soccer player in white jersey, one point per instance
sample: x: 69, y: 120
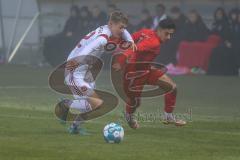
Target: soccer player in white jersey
x: 85, y: 99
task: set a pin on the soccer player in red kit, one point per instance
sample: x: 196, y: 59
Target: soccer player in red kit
x: 148, y: 44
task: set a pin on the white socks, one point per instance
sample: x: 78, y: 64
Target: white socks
x: 81, y: 105
x: 169, y: 116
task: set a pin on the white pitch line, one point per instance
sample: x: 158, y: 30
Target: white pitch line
x: 22, y: 87
x: 31, y: 87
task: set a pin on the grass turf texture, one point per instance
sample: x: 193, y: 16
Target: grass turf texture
x: 29, y: 129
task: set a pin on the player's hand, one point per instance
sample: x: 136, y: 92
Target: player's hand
x: 116, y: 67
x: 133, y: 46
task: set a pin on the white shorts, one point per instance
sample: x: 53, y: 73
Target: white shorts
x: 80, y: 82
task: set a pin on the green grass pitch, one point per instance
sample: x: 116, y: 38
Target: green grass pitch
x: 29, y: 129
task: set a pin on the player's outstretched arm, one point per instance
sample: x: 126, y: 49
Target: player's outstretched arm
x: 127, y: 37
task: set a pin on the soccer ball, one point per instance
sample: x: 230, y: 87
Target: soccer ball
x: 113, y: 133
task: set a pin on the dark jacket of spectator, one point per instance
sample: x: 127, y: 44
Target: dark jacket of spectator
x: 85, y: 20
x: 220, y: 25
x: 196, y: 30
x: 146, y: 20
x: 72, y: 24
x: 225, y: 58
x: 99, y: 18
x: 57, y: 47
x: 234, y: 25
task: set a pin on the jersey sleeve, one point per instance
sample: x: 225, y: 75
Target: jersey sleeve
x: 93, y: 45
x: 136, y: 36
x: 127, y: 36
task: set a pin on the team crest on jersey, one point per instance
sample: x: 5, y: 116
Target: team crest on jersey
x: 120, y: 46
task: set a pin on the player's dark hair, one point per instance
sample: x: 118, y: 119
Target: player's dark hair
x: 118, y: 16
x: 166, y: 24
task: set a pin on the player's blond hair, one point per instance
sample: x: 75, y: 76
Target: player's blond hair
x: 118, y: 16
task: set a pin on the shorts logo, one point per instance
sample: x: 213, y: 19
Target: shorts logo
x: 83, y: 89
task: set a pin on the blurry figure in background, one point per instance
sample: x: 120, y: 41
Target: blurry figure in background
x: 195, y: 29
x: 111, y: 8
x: 220, y: 25
x: 131, y: 28
x: 99, y: 17
x: 57, y: 46
x: 225, y: 58
x: 234, y: 41
x: 71, y: 27
x: 84, y: 21
x: 146, y: 20
x: 237, y: 49
x: 178, y: 17
x: 234, y: 24
x: 238, y: 24
x: 169, y: 49
x: 160, y: 15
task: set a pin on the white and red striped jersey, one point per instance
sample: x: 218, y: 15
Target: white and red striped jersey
x: 94, y: 42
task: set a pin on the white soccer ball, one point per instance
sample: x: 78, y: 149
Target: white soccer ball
x: 113, y: 133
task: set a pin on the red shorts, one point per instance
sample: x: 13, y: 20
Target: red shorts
x: 135, y: 79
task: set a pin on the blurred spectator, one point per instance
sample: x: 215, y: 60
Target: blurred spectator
x: 238, y: 24
x: 57, y: 47
x: 169, y: 49
x: 160, y: 15
x: 235, y: 41
x: 220, y: 25
x: 178, y: 17
x: 146, y: 20
x: 237, y: 48
x: 84, y: 21
x: 233, y: 21
x: 111, y: 8
x: 196, y: 30
x: 99, y: 17
x: 225, y: 58
x: 71, y: 26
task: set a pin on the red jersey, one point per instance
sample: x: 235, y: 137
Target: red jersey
x: 148, y: 47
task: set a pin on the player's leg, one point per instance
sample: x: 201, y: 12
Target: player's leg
x: 131, y: 106
x: 170, y: 102
x: 133, y: 90
x: 85, y: 98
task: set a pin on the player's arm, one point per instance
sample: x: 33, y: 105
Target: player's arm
x: 122, y: 58
x: 127, y: 37
x: 146, y: 46
x: 136, y: 36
